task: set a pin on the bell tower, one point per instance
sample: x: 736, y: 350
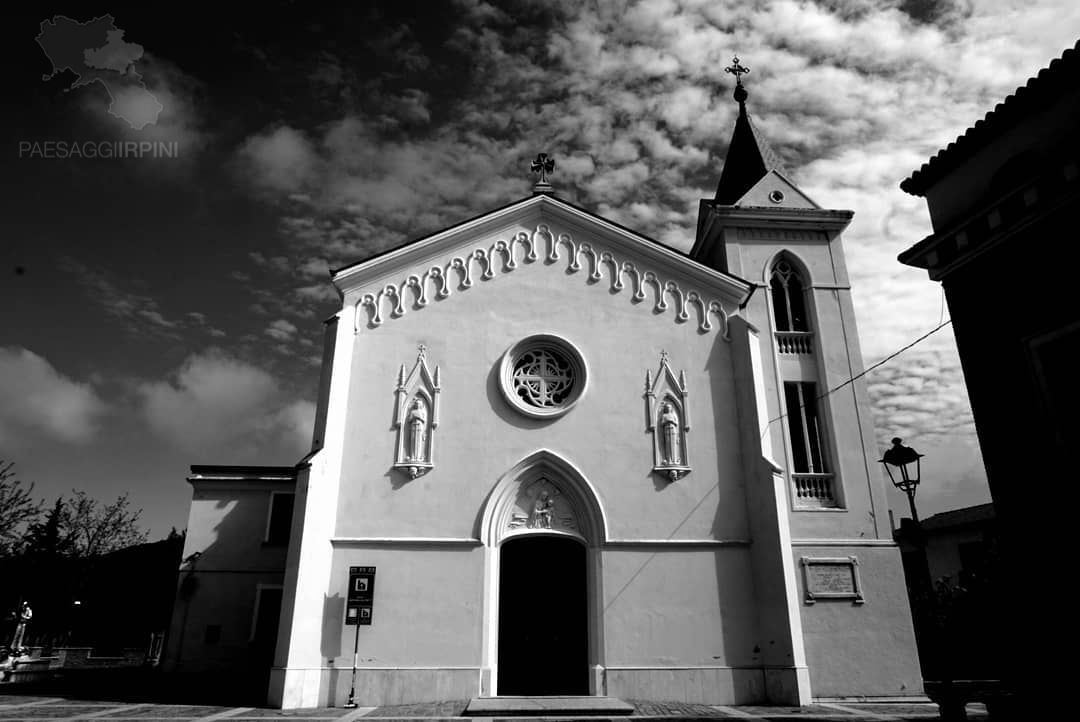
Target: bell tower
x: 762, y: 227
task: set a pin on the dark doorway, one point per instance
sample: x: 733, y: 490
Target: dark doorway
x: 267, y: 614
x: 543, y: 617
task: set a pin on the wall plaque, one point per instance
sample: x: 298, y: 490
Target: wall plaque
x: 831, y: 578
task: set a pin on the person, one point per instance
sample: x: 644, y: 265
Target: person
x: 23, y: 617
x: 417, y: 425
x: 669, y: 441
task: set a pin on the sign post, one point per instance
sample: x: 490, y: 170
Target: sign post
x: 358, y: 605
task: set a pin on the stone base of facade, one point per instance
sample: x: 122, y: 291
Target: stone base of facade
x: 329, y: 686
x: 710, y: 685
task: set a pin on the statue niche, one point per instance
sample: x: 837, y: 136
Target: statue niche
x: 416, y: 416
x: 667, y: 419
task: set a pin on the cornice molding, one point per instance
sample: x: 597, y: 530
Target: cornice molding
x: 843, y: 543
x: 346, y: 541
x: 798, y: 219
x: 547, y: 246
x: 677, y: 543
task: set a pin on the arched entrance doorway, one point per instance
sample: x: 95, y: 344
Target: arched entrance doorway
x: 543, y: 616
x: 543, y: 527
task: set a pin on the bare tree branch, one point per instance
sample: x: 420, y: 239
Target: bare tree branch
x: 90, y: 529
x: 17, y: 507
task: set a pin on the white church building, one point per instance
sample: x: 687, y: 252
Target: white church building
x: 553, y: 456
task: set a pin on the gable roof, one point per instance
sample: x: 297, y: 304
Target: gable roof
x: 791, y: 196
x: 1043, y: 89
x: 540, y: 199
x: 541, y: 228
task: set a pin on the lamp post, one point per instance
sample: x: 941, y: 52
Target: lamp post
x: 903, y: 457
x: 906, y: 477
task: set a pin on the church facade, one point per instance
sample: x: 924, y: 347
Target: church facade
x: 555, y: 457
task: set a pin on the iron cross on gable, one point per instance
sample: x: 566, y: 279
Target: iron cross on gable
x: 543, y: 165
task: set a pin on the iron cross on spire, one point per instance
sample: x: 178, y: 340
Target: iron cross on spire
x: 544, y: 164
x: 738, y: 70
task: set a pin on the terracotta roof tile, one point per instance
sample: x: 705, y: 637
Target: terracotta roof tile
x: 1043, y: 88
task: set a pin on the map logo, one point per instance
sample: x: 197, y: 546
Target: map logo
x: 95, y: 51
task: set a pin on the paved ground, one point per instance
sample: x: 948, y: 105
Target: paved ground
x: 19, y: 708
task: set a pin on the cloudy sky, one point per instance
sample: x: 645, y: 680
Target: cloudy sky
x: 160, y: 312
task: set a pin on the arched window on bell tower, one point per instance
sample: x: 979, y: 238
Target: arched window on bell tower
x: 813, y: 483
x: 790, y: 310
x: 788, y: 297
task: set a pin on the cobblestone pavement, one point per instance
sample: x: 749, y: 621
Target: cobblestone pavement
x: 28, y: 708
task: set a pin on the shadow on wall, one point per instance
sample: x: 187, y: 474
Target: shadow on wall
x: 220, y: 645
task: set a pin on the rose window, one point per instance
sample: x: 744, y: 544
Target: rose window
x: 543, y: 376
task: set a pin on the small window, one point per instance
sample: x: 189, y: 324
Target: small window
x: 805, y: 428
x: 280, y: 521
x: 788, y: 297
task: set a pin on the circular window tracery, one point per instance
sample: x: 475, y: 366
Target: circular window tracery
x: 543, y: 376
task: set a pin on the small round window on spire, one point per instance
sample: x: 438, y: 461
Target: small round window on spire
x: 776, y: 196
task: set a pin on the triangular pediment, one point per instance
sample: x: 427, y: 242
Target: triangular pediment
x: 545, y: 230
x: 774, y: 190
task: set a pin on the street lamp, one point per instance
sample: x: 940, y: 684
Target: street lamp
x: 903, y: 457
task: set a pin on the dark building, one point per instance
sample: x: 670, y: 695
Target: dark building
x: 950, y: 564
x: 1004, y: 199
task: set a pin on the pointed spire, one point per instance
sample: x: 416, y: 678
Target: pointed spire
x: 749, y: 157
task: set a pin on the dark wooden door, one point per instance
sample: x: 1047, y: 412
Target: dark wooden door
x: 543, y: 617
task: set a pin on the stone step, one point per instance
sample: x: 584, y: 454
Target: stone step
x: 545, y: 706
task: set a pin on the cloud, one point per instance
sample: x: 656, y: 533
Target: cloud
x: 281, y: 160
x: 179, y: 121
x: 139, y: 311
x: 633, y: 102
x: 216, y: 402
x: 281, y: 330
x: 36, y: 400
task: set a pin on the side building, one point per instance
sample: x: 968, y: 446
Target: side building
x: 1003, y: 200
x: 228, y: 599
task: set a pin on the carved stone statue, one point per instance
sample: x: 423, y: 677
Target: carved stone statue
x: 541, y: 514
x: 416, y: 425
x: 22, y: 619
x: 670, y: 441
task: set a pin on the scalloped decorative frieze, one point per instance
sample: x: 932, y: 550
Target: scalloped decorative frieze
x: 393, y: 300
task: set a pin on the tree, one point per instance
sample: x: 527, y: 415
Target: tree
x: 43, y: 538
x: 17, y: 508
x: 89, y: 529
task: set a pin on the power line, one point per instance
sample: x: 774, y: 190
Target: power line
x: 888, y: 358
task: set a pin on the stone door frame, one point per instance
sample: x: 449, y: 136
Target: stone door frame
x: 500, y: 520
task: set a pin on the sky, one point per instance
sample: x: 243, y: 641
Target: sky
x: 165, y: 308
